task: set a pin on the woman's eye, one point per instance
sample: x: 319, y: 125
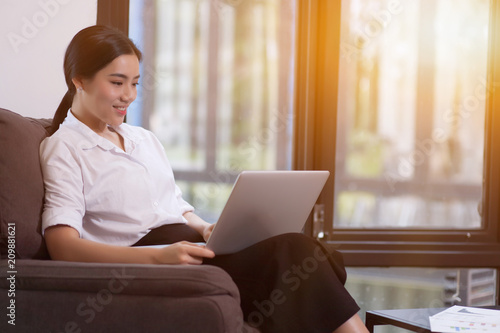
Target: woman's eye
x: 116, y: 83
x: 135, y: 84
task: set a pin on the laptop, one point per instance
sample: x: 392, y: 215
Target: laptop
x: 263, y: 204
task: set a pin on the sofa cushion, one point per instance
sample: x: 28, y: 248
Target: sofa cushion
x: 21, y: 184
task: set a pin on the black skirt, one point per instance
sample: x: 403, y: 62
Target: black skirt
x: 288, y: 283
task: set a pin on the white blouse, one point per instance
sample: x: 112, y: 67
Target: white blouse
x: 108, y: 195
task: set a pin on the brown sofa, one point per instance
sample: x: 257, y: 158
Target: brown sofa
x: 42, y: 295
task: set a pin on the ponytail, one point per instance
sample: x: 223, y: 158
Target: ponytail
x: 62, y: 111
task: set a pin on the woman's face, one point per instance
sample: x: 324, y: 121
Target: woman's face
x: 105, y: 98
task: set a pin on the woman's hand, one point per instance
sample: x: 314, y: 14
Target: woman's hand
x: 208, y: 231
x: 197, y: 223
x: 183, y: 253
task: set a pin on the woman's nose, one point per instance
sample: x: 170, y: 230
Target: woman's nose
x: 128, y: 94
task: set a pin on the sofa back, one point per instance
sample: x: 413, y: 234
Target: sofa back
x: 21, y: 185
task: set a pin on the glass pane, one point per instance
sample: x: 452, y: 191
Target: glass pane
x: 216, y: 89
x: 209, y: 198
x: 419, y: 288
x: 255, y: 85
x: 411, y: 113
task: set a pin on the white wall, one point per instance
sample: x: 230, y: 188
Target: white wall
x: 34, y: 35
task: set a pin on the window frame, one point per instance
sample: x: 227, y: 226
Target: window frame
x: 317, y: 73
x: 114, y: 13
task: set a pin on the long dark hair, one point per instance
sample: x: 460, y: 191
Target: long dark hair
x: 91, y: 50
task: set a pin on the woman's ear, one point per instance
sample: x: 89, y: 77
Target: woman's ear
x: 78, y: 83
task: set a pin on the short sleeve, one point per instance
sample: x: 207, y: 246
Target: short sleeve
x: 64, y: 198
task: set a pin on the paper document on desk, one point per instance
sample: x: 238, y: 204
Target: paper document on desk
x: 466, y: 319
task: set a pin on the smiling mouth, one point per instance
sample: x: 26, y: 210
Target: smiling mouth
x: 121, y: 109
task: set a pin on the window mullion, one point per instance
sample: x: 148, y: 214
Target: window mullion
x: 113, y: 13
x: 491, y: 184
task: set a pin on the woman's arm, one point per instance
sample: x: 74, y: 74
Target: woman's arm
x: 64, y: 243
x: 198, y: 224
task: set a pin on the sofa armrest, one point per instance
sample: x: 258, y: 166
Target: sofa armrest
x: 128, y: 279
x: 94, y: 297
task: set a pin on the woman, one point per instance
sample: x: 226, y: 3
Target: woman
x: 109, y: 188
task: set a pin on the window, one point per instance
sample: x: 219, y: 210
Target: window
x: 413, y: 97
x: 418, y: 126
x: 217, y: 88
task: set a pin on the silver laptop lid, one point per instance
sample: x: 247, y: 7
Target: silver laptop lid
x: 263, y: 204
